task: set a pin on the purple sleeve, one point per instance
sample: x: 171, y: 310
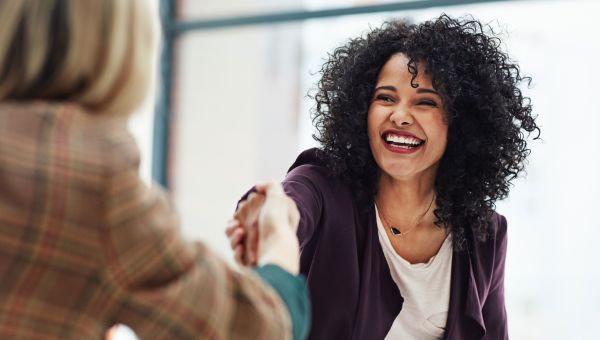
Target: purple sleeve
x: 301, y: 185
x: 494, y: 311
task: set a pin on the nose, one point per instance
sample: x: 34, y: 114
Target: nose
x: 401, y: 116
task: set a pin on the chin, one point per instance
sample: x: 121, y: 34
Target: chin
x: 406, y: 170
x: 399, y: 171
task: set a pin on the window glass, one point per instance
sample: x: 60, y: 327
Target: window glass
x: 236, y: 105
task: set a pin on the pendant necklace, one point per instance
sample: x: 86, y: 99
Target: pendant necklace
x: 396, y: 231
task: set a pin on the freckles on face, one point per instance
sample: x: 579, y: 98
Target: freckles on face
x: 407, y: 126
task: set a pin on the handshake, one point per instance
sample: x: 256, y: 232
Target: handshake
x: 263, y: 229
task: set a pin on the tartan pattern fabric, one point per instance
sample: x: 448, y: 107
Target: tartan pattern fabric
x: 85, y: 244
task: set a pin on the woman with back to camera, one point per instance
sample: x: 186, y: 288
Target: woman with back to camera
x: 422, y: 129
x: 84, y: 243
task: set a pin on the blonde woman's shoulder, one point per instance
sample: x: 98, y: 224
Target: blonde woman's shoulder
x: 68, y: 135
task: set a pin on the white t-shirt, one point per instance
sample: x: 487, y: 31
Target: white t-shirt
x: 425, y: 288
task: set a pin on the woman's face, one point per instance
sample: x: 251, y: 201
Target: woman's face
x: 407, y: 126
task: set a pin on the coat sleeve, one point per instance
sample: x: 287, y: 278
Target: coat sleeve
x: 494, y: 310
x: 300, y: 185
x: 167, y: 288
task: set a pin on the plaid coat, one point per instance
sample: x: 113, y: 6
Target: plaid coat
x: 85, y: 244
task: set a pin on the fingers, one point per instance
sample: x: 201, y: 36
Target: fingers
x: 279, y: 205
x: 251, y: 244
x: 235, y: 233
x: 236, y: 238
x: 248, y: 240
x: 270, y: 188
x: 232, y: 225
x: 238, y: 254
x: 249, y: 209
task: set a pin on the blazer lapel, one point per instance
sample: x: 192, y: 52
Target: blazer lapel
x: 465, y: 320
x: 473, y: 307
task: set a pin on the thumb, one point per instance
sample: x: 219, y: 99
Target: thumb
x: 270, y: 188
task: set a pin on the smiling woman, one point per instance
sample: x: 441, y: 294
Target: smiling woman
x: 422, y: 129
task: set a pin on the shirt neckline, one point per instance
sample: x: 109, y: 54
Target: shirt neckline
x: 390, y: 249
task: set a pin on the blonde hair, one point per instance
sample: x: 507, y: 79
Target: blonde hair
x: 98, y: 53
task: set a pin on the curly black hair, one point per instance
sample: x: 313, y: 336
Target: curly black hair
x: 489, y: 119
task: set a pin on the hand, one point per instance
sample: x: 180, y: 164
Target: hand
x: 242, y: 230
x: 264, y: 229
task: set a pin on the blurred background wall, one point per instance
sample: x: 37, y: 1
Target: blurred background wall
x: 239, y: 114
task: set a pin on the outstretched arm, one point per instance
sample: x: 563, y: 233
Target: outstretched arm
x: 166, y: 288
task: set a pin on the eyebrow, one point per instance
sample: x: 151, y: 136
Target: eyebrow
x: 385, y: 87
x: 419, y: 90
x: 422, y: 90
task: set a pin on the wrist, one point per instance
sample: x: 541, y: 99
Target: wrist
x: 282, y: 250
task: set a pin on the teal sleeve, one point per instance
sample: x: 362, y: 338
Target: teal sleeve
x: 292, y: 290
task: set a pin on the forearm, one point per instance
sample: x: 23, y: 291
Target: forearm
x: 167, y: 288
x: 281, y: 250
x: 292, y: 290
x: 206, y: 300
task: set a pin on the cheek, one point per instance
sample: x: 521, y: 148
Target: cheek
x: 437, y: 132
x: 441, y: 136
x: 372, y: 124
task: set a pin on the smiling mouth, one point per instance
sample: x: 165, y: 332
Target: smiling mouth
x: 402, y: 142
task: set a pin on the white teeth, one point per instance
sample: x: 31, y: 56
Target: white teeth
x: 391, y: 138
x: 401, y: 146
